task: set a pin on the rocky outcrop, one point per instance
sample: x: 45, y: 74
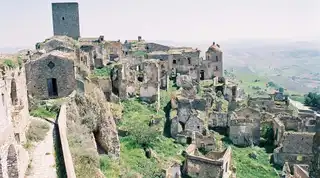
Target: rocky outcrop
x: 93, y: 111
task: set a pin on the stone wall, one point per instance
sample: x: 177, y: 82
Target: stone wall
x: 295, y: 148
x: 51, y: 66
x: 64, y: 142
x: 244, y: 129
x: 65, y: 17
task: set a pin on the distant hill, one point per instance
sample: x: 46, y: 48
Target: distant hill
x: 10, y: 50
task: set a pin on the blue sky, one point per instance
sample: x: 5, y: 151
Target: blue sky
x: 25, y: 22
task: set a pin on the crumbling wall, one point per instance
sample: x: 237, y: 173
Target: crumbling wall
x: 244, y: 129
x: 295, y: 148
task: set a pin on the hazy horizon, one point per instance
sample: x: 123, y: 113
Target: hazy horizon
x: 179, y: 20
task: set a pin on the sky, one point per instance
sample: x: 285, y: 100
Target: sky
x: 25, y: 22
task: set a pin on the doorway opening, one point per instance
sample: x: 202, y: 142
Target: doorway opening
x: 202, y: 75
x: 52, y: 87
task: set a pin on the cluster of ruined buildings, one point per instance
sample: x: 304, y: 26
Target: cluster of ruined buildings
x: 66, y: 62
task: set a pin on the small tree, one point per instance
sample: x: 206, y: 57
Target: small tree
x: 281, y: 90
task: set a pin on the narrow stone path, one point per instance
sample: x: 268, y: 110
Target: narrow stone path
x: 43, y: 163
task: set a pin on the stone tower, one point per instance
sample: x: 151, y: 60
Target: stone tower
x: 315, y: 164
x: 65, y: 19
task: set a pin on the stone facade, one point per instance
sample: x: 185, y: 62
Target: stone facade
x: 244, y: 129
x: 212, y: 66
x: 65, y: 17
x: 51, y: 76
x: 294, y: 148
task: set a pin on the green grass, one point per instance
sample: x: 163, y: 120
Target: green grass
x: 298, y: 98
x: 104, y: 72
x: 43, y: 112
x: 133, y: 161
x: 247, y: 167
x: 109, y: 167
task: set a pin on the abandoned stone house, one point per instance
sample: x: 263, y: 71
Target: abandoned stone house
x: 114, y: 49
x: 95, y: 50
x: 51, y: 76
x: 244, y: 127
x: 13, y: 123
x: 214, y: 164
x: 212, y: 66
x: 290, y: 131
x: 132, y: 78
x: 294, y: 148
x: 184, y: 61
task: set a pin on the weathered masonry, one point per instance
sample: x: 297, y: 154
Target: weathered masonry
x: 65, y: 18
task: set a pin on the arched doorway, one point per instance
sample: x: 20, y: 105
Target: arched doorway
x: 12, y: 163
x: 13, y: 94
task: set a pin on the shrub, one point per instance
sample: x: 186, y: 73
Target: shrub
x: 312, y: 99
x: 43, y: 112
x: 103, y: 72
x: 9, y: 63
x: 37, y: 130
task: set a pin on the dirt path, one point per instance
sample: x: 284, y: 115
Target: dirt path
x: 43, y: 158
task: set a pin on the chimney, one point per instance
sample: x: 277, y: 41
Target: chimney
x: 139, y: 38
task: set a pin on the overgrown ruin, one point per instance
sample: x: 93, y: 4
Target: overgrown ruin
x: 190, y: 105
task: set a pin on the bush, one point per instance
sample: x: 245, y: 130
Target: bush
x: 103, y: 72
x: 312, y: 99
x: 37, y: 131
x: 9, y: 63
x: 43, y: 112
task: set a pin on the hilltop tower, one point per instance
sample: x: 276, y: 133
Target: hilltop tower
x: 65, y: 19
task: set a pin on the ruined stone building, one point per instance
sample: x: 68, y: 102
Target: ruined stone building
x: 13, y: 123
x: 134, y: 78
x: 52, y: 75
x: 294, y: 146
x: 212, y: 66
x: 114, y: 49
x: 184, y: 61
x: 95, y: 50
x: 214, y: 164
x: 65, y: 18
x: 244, y: 127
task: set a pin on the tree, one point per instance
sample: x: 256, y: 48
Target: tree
x: 142, y: 134
x: 312, y: 99
x: 281, y: 90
